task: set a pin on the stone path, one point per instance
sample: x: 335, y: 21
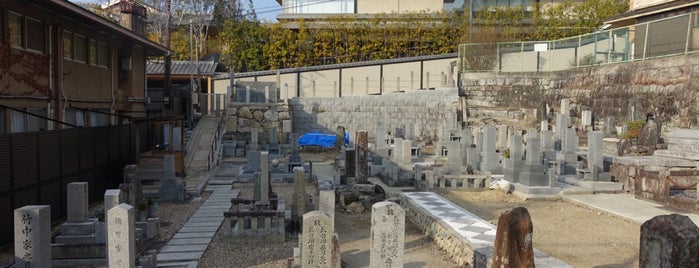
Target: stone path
x: 476, y: 231
x: 190, y: 242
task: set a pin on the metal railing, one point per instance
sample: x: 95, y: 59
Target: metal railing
x: 665, y: 37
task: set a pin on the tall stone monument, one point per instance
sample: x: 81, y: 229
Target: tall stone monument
x: 121, y: 237
x: 387, y: 235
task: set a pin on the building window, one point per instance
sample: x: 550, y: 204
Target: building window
x: 79, y: 48
x: 99, y: 119
x: 74, y: 117
x: 35, y: 35
x: 93, y: 52
x: 16, y: 27
x: 26, y: 122
x: 103, y: 55
x: 26, y: 32
x: 67, y: 45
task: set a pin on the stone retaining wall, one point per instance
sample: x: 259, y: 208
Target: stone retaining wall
x: 664, y: 87
x: 426, y: 111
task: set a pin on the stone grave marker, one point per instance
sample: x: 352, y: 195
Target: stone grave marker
x: 131, y: 176
x: 32, y: 236
x: 350, y: 164
x: 170, y: 189
x: 121, y: 237
x: 669, y: 241
x: 490, y: 158
x: 326, y: 204
x: 362, y: 156
x: 264, y: 176
x: 513, y: 240
x: 317, y: 243
x: 77, y: 198
x: 112, y: 198
x: 300, y: 191
x: 387, y: 235
x: 254, y: 139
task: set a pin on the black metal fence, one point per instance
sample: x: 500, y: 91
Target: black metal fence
x: 36, y: 167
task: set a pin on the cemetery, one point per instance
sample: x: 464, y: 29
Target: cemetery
x: 517, y: 170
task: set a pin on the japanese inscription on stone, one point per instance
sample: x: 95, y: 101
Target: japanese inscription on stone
x: 387, y: 235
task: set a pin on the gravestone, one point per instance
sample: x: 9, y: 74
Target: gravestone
x: 567, y: 158
x: 502, y: 140
x: 586, y: 119
x: 121, y: 237
x: 32, y: 236
x: 362, y: 156
x: 339, y: 137
x: 326, y: 204
x: 316, y: 245
x: 669, y: 241
x: 490, y: 161
x: 513, y: 240
x: 561, y: 126
x: 544, y: 125
x: 170, y: 188
x: 429, y: 178
x: 274, y: 149
x: 406, y: 154
x: 397, y: 150
x: 254, y: 139
x: 387, y: 235
x: 649, y: 135
x: 350, y: 165
x: 512, y: 166
x: 264, y: 176
x: 595, y: 159
x: 533, y: 170
x: 77, y: 197
x: 565, y: 106
x: 131, y: 176
x: 112, y: 198
x: 454, y: 157
x: 609, y: 127
x: 257, y: 186
x: 300, y: 192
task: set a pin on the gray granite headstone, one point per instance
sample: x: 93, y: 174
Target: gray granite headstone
x: 254, y: 139
x: 406, y: 154
x: 490, y: 161
x: 512, y: 166
x: 595, y: 158
x: 112, y: 198
x: 264, y: 177
x: 300, y: 191
x: 398, y: 150
x: 121, y: 237
x: 326, y: 204
x: 170, y: 189
x: 32, y: 236
x: 77, y: 198
x: 387, y: 235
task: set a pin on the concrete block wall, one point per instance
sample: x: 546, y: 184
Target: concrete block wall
x: 427, y: 111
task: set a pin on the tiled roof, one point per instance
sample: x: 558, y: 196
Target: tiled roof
x: 182, y: 67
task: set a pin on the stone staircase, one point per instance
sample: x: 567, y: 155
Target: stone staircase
x: 681, y: 143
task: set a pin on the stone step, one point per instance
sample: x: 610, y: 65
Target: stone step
x: 677, y: 154
x: 685, y: 133
x: 682, y: 141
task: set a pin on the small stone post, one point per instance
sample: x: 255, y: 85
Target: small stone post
x: 33, y: 236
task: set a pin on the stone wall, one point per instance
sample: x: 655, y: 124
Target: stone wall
x: 241, y: 118
x: 664, y: 87
x: 426, y: 111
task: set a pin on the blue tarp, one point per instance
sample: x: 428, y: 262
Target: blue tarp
x: 317, y: 139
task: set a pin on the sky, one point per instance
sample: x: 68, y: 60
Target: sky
x: 265, y: 9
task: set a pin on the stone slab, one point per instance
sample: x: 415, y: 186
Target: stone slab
x: 184, y: 248
x: 189, y: 241
x: 180, y: 256
x: 201, y: 224
x: 199, y: 229
x: 195, y: 235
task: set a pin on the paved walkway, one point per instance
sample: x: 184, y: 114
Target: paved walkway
x: 478, y: 233
x: 188, y: 245
x: 625, y: 206
x: 198, y: 152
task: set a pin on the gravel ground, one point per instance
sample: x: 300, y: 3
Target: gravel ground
x: 578, y: 235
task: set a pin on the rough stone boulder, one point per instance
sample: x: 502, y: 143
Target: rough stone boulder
x: 244, y: 112
x: 669, y: 241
